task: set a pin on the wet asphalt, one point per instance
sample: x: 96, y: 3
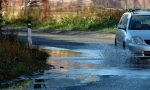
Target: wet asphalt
x: 85, y: 63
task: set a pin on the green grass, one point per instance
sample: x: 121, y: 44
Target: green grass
x: 107, y: 30
x: 102, y: 20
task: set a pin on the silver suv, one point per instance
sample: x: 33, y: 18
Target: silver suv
x: 133, y: 32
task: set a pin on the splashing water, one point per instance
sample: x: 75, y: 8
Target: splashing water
x: 116, y: 56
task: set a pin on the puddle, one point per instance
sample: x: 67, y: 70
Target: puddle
x: 71, y: 65
x: 82, y: 66
x: 60, y: 52
x: 66, y: 62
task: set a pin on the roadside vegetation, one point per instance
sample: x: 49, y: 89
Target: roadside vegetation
x: 17, y: 59
x: 97, y: 19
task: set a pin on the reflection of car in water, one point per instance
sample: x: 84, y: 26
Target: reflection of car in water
x: 133, y: 32
x: 39, y: 84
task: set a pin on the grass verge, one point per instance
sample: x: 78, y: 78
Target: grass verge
x: 17, y: 59
x: 100, y: 19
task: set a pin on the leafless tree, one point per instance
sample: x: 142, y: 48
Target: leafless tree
x: 1, y: 10
x: 46, y: 8
x: 144, y: 4
x: 79, y: 6
x: 0, y: 13
x: 126, y: 4
x: 137, y: 4
x: 26, y: 3
x: 1, y: 17
x: 62, y: 4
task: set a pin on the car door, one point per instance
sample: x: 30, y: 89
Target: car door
x: 121, y: 30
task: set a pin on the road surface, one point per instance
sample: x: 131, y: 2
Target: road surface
x: 85, y: 61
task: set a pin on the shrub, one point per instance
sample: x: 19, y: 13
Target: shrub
x: 97, y: 19
x: 106, y: 18
x: 49, y: 23
x: 17, y: 59
x: 75, y: 23
x: 21, y: 21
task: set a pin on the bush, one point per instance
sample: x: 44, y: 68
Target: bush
x: 16, y: 22
x: 75, y: 23
x: 102, y: 18
x: 106, y: 18
x: 49, y: 23
x: 17, y: 59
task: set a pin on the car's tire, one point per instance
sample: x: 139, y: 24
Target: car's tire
x: 124, y: 45
x: 115, y: 42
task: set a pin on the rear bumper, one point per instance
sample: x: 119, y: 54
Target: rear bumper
x: 140, y: 50
x: 142, y: 57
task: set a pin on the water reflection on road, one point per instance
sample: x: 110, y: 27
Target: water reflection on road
x: 82, y: 66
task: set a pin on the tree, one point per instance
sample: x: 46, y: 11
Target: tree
x: 26, y: 3
x: 1, y: 17
x: 0, y: 13
x: 79, y: 6
x: 46, y: 8
x: 1, y: 9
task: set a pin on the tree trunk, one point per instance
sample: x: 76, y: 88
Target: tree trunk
x: 0, y: 14
x: 0, y: 9
x: 144, y: 4
x: 26, y: 7
x: 46, y: 8
x: 0, y: 18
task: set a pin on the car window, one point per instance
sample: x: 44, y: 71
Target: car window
x: 124, y: 20
x: 140, y: 22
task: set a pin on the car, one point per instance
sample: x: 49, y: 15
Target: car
x: 133, y: 32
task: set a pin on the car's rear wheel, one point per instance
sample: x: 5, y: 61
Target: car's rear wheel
x: 124, y: 45
x: 115, y: 42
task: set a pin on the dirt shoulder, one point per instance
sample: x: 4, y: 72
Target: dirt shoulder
x: 84, y: 37
x: 74, y: 36
x: 87, y: 38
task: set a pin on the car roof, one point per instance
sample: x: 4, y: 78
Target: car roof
x: 138, y: 13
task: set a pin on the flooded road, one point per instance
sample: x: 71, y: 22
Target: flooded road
x: 87, y: 66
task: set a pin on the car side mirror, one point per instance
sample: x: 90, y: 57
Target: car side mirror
x: 121, y: 27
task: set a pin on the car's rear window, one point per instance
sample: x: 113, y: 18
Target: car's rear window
x: 140, y: 22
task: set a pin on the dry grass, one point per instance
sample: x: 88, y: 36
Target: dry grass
x: 95, y: 19
x: 17, y: 59
x: 15, y: 50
